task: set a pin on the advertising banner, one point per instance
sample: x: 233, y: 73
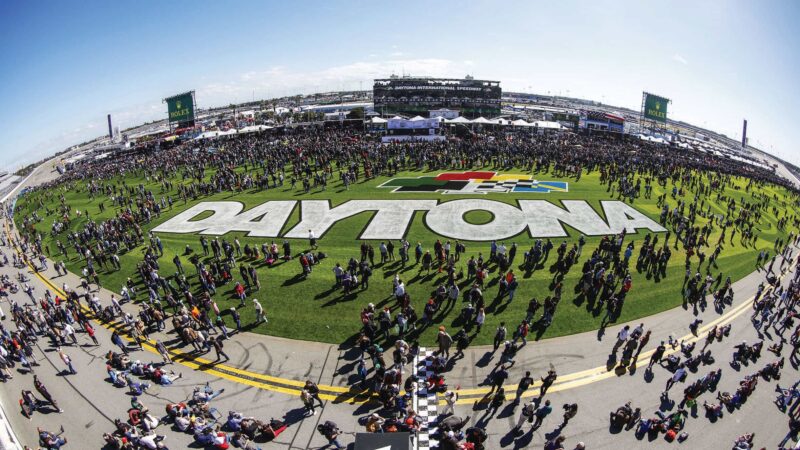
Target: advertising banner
x: 181, y: 108
x: 655, y: 107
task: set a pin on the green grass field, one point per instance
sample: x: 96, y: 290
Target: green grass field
x: 312, y: 309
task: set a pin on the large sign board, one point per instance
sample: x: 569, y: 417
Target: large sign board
x: 655, y: 107
x: 180, y: 108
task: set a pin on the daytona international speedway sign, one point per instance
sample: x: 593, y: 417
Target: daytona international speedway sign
x: 391, y: 219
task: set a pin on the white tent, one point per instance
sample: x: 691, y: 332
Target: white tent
x: 482, y: 120
x: 521, y: 123
x: 459, y: 119
x: 378, y: 120
x: 416, y: 118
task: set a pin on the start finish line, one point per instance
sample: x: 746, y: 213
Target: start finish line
x: 391, y: 218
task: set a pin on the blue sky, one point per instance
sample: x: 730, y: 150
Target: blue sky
x: 66, y: 65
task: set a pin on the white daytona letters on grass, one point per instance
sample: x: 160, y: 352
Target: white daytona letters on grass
x: 264, y: 220
x: 390, y: 221
x: 392, y: 218
x: 447, y: 219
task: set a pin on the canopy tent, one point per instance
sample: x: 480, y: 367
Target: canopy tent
x: 459, y: 119
x: 521, y: 123
x: 482, y: 120
x: 378, y: 120
x: 416, y: 118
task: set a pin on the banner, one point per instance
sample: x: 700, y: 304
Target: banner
x: 655, y: 107
x: 181, y: 108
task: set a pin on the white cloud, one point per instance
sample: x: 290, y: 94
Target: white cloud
x: 679, y: 58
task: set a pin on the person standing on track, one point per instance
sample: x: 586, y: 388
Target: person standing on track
x: 523, y: 386
x: 313, y: 389
x: 67, y: 361
x: 42, y: 390
x: 162, y: 350
x: 90, y: 331
x: 116, y: 339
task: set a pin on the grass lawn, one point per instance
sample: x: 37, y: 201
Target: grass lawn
x: 312, y: 309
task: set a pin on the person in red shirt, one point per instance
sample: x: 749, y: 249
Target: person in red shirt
x: 90, y: 332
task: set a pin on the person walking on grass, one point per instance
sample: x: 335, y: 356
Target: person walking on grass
x: 260, y: 317
x: 237, y: 319
x: 445, y: 341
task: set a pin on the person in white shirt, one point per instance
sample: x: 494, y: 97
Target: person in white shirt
x: 312, y: 240
x: 400, y: 291
x: 622, y: 336
x: 259, y: 311
x: 479, y: 319
x: 450, y: 397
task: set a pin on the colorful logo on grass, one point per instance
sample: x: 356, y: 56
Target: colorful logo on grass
x: 475, y: 183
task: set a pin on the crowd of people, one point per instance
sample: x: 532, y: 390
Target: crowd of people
x: 628, y: 168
